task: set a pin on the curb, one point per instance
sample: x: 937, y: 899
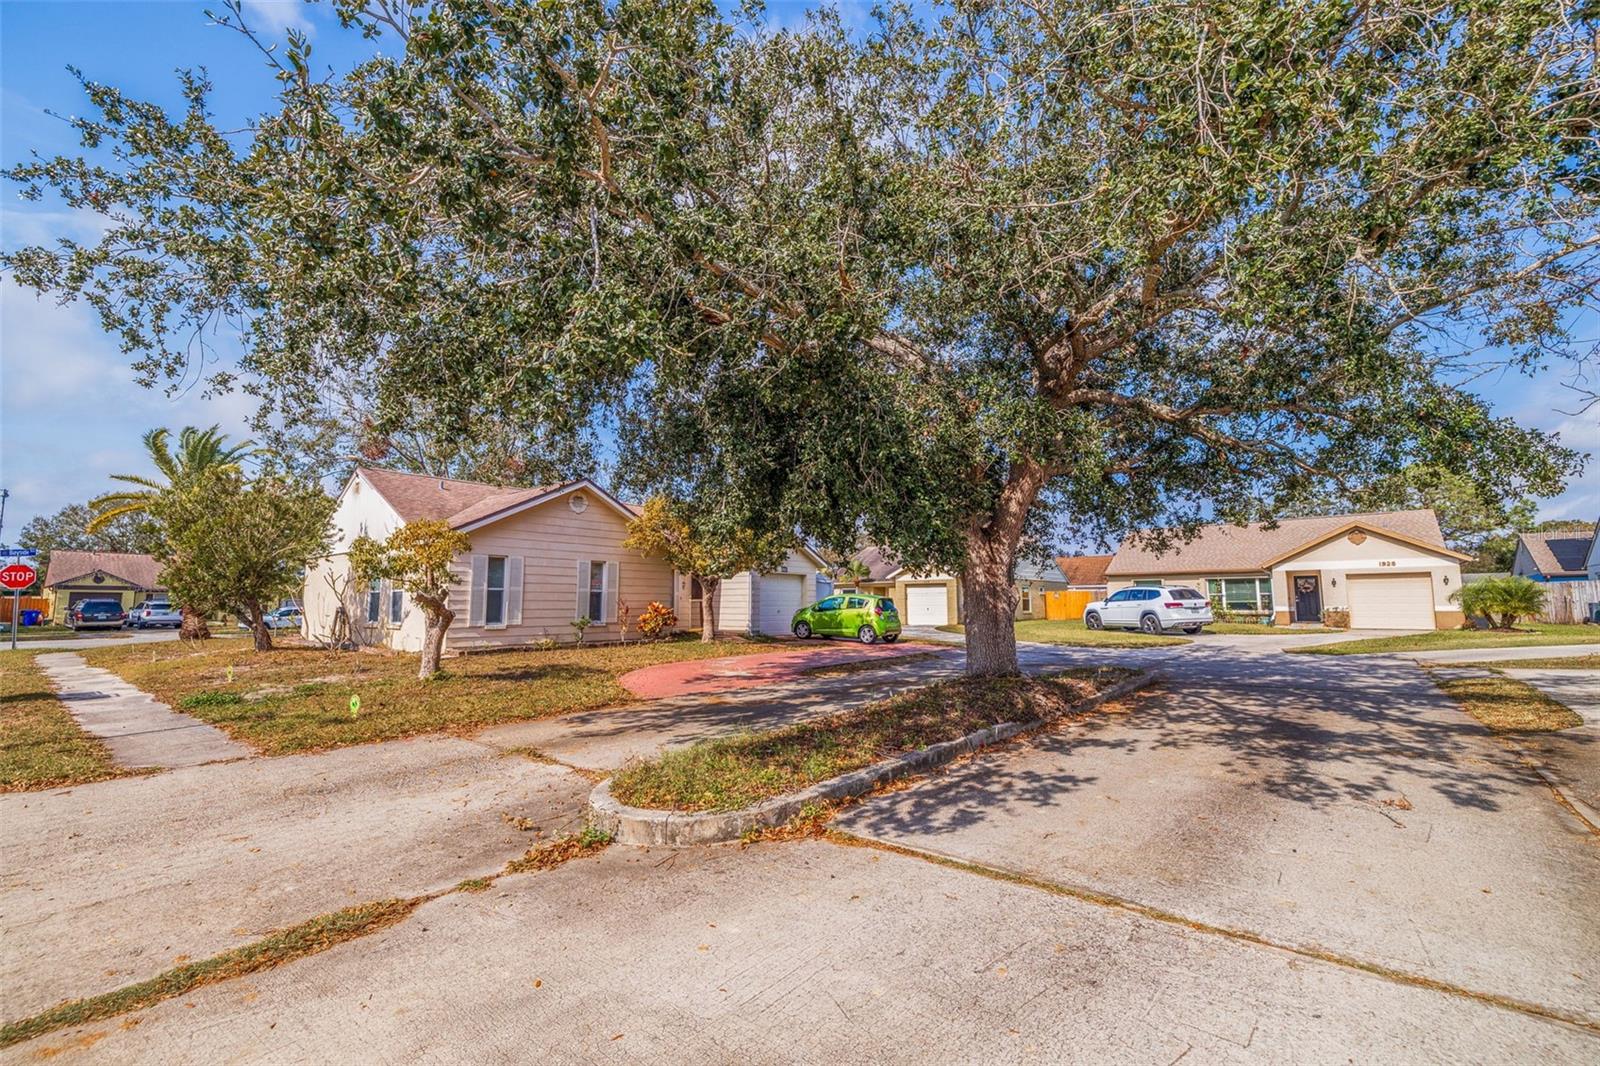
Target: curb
x: 656, y: 828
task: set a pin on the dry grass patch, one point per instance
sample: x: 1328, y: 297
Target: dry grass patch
x: 41, y: 746
x: 297, y: 698
x: 549, y: 855
x: 736, y: 772
x: 1506, y: 705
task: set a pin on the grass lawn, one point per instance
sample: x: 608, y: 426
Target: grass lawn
x: 297, y: 698
x: 40, y: 744
x: 1570, y: 662
x: 1043, y: 632
x: 1525, y: 635
x: 1506, y: 705
x: 53, y: 632
x: 735, y: 772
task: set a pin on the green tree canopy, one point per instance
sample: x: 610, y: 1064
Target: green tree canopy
x: 416, y: 560
x: 945, y: 280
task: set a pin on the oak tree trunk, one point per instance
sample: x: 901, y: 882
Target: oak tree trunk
x: 436, y: 619
x: 193, y: 626
x: 259, y: 633
x: 988, y: 609
x: 708, y: 610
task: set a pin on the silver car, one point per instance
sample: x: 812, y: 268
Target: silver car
x: 1150, y: 609
x: 154, y: 613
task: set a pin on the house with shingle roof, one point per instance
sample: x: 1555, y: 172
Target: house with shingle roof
x: 1566, y: 555
x: 74, y: 576
x: 1389, y: 570
x: 541, y: 558
x: 1084, y: 571
x: 934, y: 598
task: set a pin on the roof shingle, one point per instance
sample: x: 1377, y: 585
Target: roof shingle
x: 420, y: 497
x: 143, y: 571
x: 1084, y: 569
x: 1224, y: 548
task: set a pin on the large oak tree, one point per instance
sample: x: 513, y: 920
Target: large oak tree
x: 942, y: 281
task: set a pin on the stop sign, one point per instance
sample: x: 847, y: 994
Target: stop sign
x: 17, y: 576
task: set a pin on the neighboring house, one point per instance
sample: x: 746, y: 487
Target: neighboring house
x: 1033, y: 581
x: 74, y: 575
x: 754, y: 602
x: 1557, y: 556
x: 1591, y: 561
x: 922, y: 599
x: 1391, y: 570
x: 1086, y: 572
x: 540, y: 559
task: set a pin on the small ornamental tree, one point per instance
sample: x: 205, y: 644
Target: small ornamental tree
x: 416, y: 559
x: 699, y: 548
x: 234, y: 544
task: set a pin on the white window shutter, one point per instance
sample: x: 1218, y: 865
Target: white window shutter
x: 514, y: 590
x: 608, y: 601
x: 478, y: 590
x: 581, y: 609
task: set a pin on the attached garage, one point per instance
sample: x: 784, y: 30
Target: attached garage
x: 780, y: 597
x: 927, y: 605
x: 1391, y: 601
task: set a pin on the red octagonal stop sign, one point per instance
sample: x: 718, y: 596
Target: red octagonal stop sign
x: 17, y: 576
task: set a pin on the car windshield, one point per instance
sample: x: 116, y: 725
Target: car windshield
x: 1185, y: 594
x: 157, y: 605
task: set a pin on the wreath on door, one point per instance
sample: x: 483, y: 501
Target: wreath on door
x: 1305, y: 585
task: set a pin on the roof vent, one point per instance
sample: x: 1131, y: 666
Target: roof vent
x: 580, y: 503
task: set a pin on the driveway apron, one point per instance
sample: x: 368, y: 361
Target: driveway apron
x: 139, y: 730
x: 1348, y: 806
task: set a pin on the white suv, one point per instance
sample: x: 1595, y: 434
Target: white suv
x: 155, y: 613
x: 1150, y: 609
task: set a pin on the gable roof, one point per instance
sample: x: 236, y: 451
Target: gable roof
x: 1228, y: 548
x: 1557, y: 554
x: 1084, y: 569
x: 468, y: 505
x: 143, y: 571
x: 879, y: 565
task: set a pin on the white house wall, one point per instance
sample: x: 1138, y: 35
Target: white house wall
x: 1336, y: 559
x: 359, y: 510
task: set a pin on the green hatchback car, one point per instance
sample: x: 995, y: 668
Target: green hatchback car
x: 862, y: 615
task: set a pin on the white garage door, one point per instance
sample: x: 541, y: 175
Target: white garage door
x: 927, y: 605
x: 1391, y: 601
x: 780, y: 599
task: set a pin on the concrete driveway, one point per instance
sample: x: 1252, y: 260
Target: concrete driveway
x: 1345, y: 805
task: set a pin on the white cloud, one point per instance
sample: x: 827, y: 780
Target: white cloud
x: 278, y: 16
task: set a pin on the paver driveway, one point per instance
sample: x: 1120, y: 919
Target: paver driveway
x: 1337, y: 803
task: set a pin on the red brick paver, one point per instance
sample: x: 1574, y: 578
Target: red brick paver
x: 734, y: 672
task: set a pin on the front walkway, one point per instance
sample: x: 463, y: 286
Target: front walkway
x: 138, y: 730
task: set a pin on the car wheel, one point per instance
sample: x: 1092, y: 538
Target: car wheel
x: 1092, y: 621
x: 802, y: 630
x: 867, y: 635
x: 891, y: 638
x: 1150, y: 624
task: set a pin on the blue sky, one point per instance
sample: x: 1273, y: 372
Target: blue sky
x: 70, y: 414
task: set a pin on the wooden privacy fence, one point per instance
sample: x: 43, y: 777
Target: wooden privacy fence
x: 29, y: 603
x: 1566, y: 602
x: 1067, y: 604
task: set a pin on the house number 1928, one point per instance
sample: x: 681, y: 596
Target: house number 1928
x: 1386, y: 562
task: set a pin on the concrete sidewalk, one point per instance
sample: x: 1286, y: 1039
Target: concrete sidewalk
x: 138, y: 730
x: 111, y: 883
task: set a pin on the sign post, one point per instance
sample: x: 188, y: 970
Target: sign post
x: 16, y: 577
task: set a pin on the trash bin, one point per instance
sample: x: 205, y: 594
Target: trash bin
x: 32, y: 618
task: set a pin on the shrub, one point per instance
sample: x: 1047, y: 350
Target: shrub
x: 657, y: 621
x: 1336, y: 617
x: 1502, y: 600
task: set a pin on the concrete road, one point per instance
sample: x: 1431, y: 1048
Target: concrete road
x: 805, y: 953
x: 1342, y: 804
x: 110, y: 883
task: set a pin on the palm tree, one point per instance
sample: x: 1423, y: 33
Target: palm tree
x: 198, y: 451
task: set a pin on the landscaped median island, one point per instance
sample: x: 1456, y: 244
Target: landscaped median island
x: 299, y: 698
x: 761, y: 776
x: 1528, y: 634
x: 41, y: 746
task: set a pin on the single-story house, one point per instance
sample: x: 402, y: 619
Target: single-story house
x: 1556, y: 556
x: 758, y: 603
x: 540, y: 559
x: 1390, y: 570
x: 1033, y: 581
x: 1591, y: 561
x: 1086, y: 573
x: 932, y: 599
x: 126, y: 577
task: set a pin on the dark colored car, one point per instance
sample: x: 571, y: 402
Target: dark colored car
x: 96, y: 614
x: 862, y: 615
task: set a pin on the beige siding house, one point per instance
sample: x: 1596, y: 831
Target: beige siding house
x: 540, y: 559
x: 1033, y: 581
x: 758, y: 603
x: 74, y: 576
x: 1390, y: 570
x: 922, y: 599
